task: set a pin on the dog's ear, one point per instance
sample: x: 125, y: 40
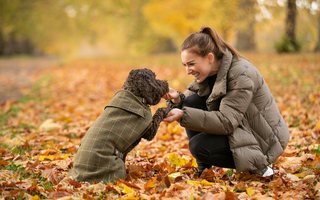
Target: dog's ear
x: 131, y: 83
x: 154, y: 89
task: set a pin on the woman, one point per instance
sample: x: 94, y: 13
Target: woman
x: 229, y: 114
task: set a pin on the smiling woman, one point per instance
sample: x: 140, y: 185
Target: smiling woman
x: 229, y: 114
x: 199, y: 67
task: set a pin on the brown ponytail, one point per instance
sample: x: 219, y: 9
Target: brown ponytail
x: 208, y: 41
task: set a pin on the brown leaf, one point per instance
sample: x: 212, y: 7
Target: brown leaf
x: 166, y: 180
x: 231, y: 196
x: 50, y: 175
x: 3, y: 162
x: 110, y: 188
x: 210, y: 196
x: 33, y: 188
x: 209, y: 175
x: 55, y: 195
x: 129, y: 184
x: 34, y: 165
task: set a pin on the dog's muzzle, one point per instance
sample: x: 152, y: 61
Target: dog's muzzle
x: 119, y: 154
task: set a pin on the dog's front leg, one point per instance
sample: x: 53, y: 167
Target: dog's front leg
x: 160, y: 114
x: 132, y: 146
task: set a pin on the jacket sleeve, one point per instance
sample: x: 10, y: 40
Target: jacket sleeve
x: 233, y: 106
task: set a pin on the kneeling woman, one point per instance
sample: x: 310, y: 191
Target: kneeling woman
x: 230, y: 116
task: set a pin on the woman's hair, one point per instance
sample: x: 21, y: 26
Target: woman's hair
x: 208, y: 41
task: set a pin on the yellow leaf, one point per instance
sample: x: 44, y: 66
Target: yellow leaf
x: 132, y: 196
x: 308, y: 177
x: 162, y: 149
x: 195, y: 183
x: 191, y: 197
x: 250, y: 191
x: 183, y: 161
x: 165, y: 137
x: 65, y: 156
x: 175, y: 175
x: 206, y: 183
x: 174, y: 159
x: 312, y: 98
x: 176, y: 129
x: 127, y: 189
x: 149, y: 184
x: 41, y: 158
x: 300, y: 175
x: 171, y: 169
x: 194, y: 163
x: 36, y: 197
x: 318, y: 125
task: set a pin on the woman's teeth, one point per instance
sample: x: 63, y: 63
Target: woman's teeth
x: 196, y: 75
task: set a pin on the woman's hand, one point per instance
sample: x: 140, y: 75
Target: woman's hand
x: 173, y: 115
x: 172, y: 95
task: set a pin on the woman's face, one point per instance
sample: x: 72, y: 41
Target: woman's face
x: 199, y: 67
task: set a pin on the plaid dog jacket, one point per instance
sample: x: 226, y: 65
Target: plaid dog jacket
x: 125, y: 119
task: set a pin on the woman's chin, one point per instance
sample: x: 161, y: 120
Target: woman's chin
x: 198, y: 80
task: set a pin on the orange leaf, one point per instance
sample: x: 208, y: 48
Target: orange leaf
x: 3, y: 162
x: 149, y: 184
x: 129, y: 184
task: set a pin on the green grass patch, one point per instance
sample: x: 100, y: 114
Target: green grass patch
x: 33, y: 95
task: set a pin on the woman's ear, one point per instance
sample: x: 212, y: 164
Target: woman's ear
x: 210, y: 58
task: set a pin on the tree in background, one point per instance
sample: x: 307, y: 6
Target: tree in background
x: 291, y: 23
x: 246, y: 26
x: 177, y: 19
x: 147, y: 26
x: 288, y: 41
x: 316, y: 4
x: 317, y: 49
x: 13, y: 38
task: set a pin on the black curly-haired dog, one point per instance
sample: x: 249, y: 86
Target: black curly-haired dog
x: 126, y: 119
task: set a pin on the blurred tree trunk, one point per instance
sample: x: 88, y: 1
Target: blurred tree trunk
x: 318, y: 43
x: 1, y: 43
x: 246, y: 32
x: 291, y: 22
x: 13, y: 45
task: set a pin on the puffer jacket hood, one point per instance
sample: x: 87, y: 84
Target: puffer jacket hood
x: 242, y: 107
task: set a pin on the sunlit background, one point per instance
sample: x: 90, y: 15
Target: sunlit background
x: 86, y: 28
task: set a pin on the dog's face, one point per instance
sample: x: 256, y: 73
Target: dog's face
x: 143, y: 83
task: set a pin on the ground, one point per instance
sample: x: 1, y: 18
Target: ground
x: 41, y: 132
x: 17, y: 75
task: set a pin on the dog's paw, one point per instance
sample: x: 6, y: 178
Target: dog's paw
x: 162, y: 112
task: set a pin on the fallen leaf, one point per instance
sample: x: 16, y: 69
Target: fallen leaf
x: 3, y: 162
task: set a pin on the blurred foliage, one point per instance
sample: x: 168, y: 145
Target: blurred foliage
x: 83, y: 27
x: 284, y: 45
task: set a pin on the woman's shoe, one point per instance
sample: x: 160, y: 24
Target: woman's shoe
x: 268, y: 171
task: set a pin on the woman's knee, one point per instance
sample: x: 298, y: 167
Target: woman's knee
x: 195, y: 146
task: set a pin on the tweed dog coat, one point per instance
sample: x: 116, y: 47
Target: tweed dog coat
x: 124, y: 121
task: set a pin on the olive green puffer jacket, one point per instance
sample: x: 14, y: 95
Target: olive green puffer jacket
x: 242, y: 107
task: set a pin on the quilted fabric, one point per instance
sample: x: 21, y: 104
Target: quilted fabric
x: 241, y: 106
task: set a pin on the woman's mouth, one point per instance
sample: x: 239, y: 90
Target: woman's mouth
x: 196, y: 75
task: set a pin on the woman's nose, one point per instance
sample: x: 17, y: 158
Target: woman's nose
x: 188, y: 70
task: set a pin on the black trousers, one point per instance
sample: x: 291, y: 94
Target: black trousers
x: 208, y: 149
